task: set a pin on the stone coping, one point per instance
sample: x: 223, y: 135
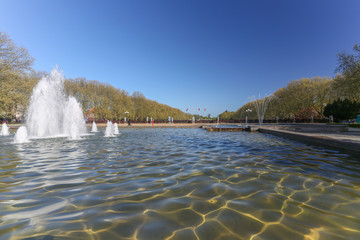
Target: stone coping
x: 347, y: 141
x: 305, y: 127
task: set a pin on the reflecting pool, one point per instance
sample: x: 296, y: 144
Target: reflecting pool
x: 177, y: 184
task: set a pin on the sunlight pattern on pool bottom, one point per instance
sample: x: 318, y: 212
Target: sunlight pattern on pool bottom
x: 177, y: 184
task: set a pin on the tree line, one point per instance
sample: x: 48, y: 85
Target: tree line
x: 18, y: 78
x: 317, y: 97
x: 308, y: 98
x: 108, y: 102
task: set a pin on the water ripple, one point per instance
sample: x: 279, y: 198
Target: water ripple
x: 177, y: 184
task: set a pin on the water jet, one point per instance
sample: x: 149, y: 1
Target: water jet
x: 116, y: 129
x: 51, y: 112
x: 261, y: 106
x: 21, y: 135
x: 4, y: 130
x: 94, y: 127
x: 109, y: 131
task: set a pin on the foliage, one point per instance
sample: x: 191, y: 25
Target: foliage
x: 108, y: 102
x: 307, y: 113
x: 226, y: 115
x: 13, y: 58
x: 304, y: 97
x: 308, y: 97
x: 17, y: 79
x: 302, y: 94
x: 342, y: 109
x: 300, y: 98
x: 347, y: 84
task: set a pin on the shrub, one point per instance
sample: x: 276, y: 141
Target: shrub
x: 342, y: 109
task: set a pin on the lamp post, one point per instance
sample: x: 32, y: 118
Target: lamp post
x: 247, y: 113
x: 125, y: 116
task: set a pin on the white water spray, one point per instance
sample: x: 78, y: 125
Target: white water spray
x: 94, y: 127
x: 116, y: 129
x: 261, y: 106
x: 109, y: 131
x: 4, y: 130
x: 74, y: 122
x: 51, y: 113
x: 21, y: 135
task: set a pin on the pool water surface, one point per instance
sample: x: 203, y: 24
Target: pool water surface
x: 177, y: 184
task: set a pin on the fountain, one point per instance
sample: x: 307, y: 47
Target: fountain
x: 74, y: 122
x: 246, y: 118
x: 261, y: 106
x: 94, y: 127
x: 21, y: 135
x: 109, y: 131
x: 4, y: 130
x: 116, y: 129
x: 51, y: 112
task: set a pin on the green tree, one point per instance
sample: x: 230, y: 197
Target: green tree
x: 347, y: 84
x: 12, y: 57
x: 111, y: 103
x: 227, y: 115
x: 16, y: 78
x: 342, y: 109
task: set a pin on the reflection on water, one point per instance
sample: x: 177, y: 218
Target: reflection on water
x: 177, y: 184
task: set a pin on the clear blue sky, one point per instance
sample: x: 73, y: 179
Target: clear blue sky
x: 186, y: 53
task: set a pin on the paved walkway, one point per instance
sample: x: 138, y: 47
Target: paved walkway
x: 349, y: 141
